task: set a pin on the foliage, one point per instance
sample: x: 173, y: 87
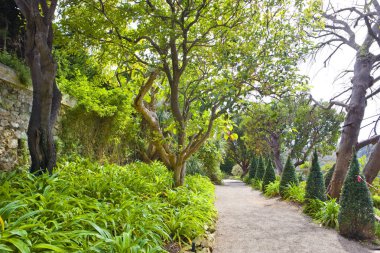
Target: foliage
x: 288, y: 176
x: 356, y: 216
x: 257, y: 184
x: 226, y: 165
x: 328, y: 213
x: 272, y: 189
x: 376, y: 201
x: 312, y: 207
x: 22, y: 70
x: 260, y: 169
x: 85, y: 207
x: 269, y: 176
x: 295, y: 193
x: 315, y: 188
x: 252, y: 167
x: 328, y: 176
x: 236, y: 170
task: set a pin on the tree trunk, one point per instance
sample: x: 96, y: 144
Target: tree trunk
x: 275, y: 145
x: 372, y: 167
x: 179, y: 174
x: 245, y: 168
x: 361, y: 81
x: 46, y: 95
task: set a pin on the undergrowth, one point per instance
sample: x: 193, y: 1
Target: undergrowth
x: 85, y: 207
x: 22, y: 70
x: 272, y: 189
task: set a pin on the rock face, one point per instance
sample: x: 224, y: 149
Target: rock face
x: 15, y: 108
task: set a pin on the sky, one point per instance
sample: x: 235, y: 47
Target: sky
x: 326, y: 84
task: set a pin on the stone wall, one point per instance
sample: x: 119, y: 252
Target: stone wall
x: 15, y: 107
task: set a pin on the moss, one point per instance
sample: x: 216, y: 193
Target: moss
x: 288, y: 176
x: 315, y: 187
x: 356, y: 217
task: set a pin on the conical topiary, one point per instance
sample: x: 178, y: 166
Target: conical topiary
x: 356, y: 218
x: 269, y: 175
x: 329, y: 175
x: 260, y: 169
x: 315, y: 186
x: 288, y: 176
x: 252, y: 168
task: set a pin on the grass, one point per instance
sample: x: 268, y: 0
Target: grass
x: 85, y: 207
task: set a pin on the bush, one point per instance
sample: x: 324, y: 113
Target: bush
x: 295, y: 193
x: 356, y: 216
x: 22, y: 70
x: 85, y: 207
x: 252, y: 168
x: 288, y: 176
x: 328, y: 214
x: 237, y: 171
x: 257, y: 184
x: 269, y: 176
x: 260, y: 169
x: 376, y: 201
x: 312, y: 207
x: 328, y: 176
x: 272, y: 189
x: 315, y: 188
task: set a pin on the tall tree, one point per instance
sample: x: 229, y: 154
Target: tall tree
x: 195, y: 59
x: 46, y: 95
x: 341, y: 29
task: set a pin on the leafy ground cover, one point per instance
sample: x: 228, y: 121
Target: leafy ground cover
x: 86, y: 207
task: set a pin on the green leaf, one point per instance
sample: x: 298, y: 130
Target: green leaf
x: 48, y: 246
x: 20, y: 245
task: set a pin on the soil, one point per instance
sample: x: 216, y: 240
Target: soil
x: 249, y: 222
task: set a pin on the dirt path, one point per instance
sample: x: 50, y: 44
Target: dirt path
x: 248, y: 222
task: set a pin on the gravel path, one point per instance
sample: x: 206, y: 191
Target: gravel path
x: 248, y: 222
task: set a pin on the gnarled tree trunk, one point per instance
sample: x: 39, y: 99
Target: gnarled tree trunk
x: 46, y: 95
x: 361, y: 81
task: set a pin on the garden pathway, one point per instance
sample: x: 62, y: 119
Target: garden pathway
x: 250, y: 223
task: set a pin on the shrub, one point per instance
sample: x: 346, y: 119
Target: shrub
x: 22, y: 70
x: 312, y: 207
x: 376, y: 201
x: 269, y: 176
x: 328, y: 176
x: 315, y: 188
x: 237, y: 170
x: 260, y: 169
x: 85, y: 207
x: 356, y: 216
x: 272, y: 189
x: 252, y: 168
x: 288, y: 176
x: 328, y: 213
x: 257, y: 184
x: 295, y: 193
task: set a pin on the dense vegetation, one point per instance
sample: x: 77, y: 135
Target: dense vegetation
x: 184, y: 86
x: 87, y: 207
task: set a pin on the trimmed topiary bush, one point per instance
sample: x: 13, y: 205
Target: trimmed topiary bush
x: 269, y: 176
x: 356, y: 217
x: 260, y: 169
x: 252, y: 168
x: 315, y: 186
x: 288, y: 176
x: 329, y: 175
